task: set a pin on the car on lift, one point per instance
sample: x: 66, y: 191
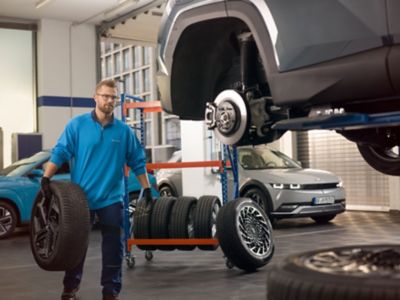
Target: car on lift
x: 254, y: 69
x: 279, y: 184
x: 20, y: 183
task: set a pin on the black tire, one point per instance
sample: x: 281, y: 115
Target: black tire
x: 160, y: 219
x: 205, y: 220
x: 368, y: 272
x: 245, y: 234
x: 181, y: 224
x: 8, y: 219
x: 60, y: 227
x: 382, y: 159
x: 167, y: 191
x: 142, y: 224
x: 323, y: 219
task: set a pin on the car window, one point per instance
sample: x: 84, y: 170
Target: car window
x: 264, y: 158
x: 21, y: 167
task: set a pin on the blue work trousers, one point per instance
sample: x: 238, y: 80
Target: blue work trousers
x: 111, y: 224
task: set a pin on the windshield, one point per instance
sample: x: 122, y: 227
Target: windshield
x: 264, y: 158
x: 21, y: 167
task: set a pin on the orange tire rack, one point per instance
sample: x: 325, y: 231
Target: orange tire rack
x: 155, y: 106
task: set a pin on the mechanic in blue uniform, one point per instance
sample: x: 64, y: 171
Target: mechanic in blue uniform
x: 98, y: 146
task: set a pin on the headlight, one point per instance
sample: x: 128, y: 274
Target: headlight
x: 281, y: 186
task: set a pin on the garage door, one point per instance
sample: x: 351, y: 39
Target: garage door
x: 327, y: 150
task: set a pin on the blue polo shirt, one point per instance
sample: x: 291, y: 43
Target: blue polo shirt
x: 97, y: 157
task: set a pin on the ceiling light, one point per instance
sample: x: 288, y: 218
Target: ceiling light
x: 41, y: 3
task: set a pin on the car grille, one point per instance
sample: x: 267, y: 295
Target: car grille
x: 319, y: 186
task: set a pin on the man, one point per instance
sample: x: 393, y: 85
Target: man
x: 98, y: 146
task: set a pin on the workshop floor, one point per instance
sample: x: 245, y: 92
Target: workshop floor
x: 189, y: 275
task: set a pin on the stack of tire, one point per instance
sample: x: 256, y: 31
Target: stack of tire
x: 241, y: 226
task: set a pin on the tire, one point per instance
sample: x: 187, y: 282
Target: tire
x: 337, y: 274
x: 160, y: 219
x: 245, y: 234
x: 181, y: 224
x: 382, y: 159
x: 258, y: 196
x: 142, y: 225
x: 8, y: 219
x: 323, y: 219
x: 60, y: 227
x: 167, y: 191
x: 205, y: 220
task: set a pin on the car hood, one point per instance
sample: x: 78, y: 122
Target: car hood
x: 295, y: 176
x: 12, y: 182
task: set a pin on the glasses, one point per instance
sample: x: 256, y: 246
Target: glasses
x: 106, y: 97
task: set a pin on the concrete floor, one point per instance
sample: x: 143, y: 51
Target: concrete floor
x: 189, y: 275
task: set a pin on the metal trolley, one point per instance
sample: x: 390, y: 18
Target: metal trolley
x: 229, y: 159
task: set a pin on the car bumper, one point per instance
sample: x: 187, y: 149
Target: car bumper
x: 293, y: 210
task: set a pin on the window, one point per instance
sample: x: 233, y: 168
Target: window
x: 146, y: 80
x: 126, y: 62
x: 146, y: 55
x: 136, y: 83
x: 127, y: 88
x: 108, y: 66
x: 136, y: 57
x: 173, y: 132
x: 117, y: 63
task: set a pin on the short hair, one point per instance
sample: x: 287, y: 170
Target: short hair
x: 107, y: 82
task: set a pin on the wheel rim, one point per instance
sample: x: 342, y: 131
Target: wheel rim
x: 165, y: 192
x: 378, y: 261
x: 257, y: 198
x: 214, y: 215
x: 254, y: 231
x: 390, y: 154
x: 6, y: 220
x: 190, y: 225
x: 45, y: 222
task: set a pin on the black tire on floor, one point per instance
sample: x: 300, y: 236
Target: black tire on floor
x: 182, y: 219
x: 368, y: 272
x: 205, y: 219
x: 245, y: 234
x: 323, y: 219
x: 8, y: 219
x: 142, y: 224
x: 60, y: 226
x: 160, y: 220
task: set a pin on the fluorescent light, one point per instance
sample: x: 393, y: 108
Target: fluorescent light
x: 41, y: 3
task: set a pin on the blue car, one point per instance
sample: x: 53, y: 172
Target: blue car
x: 20, y: 183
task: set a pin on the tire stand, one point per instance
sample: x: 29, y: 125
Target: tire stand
x: 154, y: 106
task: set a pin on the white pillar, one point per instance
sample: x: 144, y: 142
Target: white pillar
x: 197, y: 182
x: 66, y: 74
x: 394, y: 192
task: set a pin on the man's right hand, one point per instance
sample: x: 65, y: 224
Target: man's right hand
x: 45, y: 185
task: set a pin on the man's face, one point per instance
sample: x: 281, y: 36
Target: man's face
x: 105, y: 99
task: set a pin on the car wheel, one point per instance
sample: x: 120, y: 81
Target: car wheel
x: 8, y: 219
x: 160, y: 220
x: 205, y: 220
x: 60, y: 227
x: 323, y: 219
x: 245, y: 234
x: 182, y: 221
x: 383, y: 159
x: 167, y: 191
x: 351, y: 272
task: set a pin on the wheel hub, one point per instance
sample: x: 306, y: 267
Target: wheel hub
x: 5, y: 220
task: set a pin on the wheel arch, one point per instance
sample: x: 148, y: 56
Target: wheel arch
x: 252, y: 183
x: 201, y: 50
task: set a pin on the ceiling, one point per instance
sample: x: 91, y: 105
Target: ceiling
x: 136, y: 20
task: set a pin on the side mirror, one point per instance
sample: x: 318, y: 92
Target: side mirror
x: 35, y: 173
